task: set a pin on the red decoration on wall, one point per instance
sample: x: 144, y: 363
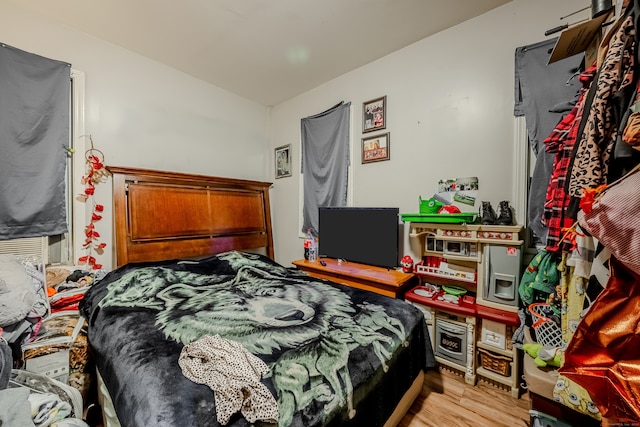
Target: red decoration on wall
x: 96, y: 173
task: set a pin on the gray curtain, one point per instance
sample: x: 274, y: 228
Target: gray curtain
x: 34, y: 134
x: 544, y: 94
x: 325, y: 162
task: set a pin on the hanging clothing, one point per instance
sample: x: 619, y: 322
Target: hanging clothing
x: 626, y: 152
x: 615, y: 77
x: 543, y: 93
x: 566, y: 391
x: 590, y: 263
x: 631, y: 134
x: 561, y: 141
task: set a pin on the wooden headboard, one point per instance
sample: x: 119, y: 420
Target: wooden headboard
x: 168, y: 215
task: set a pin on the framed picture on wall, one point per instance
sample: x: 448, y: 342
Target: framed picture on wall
x: 283, y: 161
x: 374, y: 115
x: 375, y: 148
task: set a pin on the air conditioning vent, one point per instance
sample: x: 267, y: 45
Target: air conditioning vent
x: 30, y: 246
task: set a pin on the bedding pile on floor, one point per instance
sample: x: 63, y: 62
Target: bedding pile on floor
x: 43, y: 343
x: 32, y: 399
x: 23, y: 299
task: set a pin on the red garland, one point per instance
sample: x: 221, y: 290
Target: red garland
x: 96, y: 173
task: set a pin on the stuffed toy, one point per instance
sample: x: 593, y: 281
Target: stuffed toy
x: 540, y: 278
x: 543, y: 355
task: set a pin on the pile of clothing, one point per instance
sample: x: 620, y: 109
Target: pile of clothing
x: 29, y: 399
x: 66, y: 286
x: 30, y: 296
x: 23, y: 300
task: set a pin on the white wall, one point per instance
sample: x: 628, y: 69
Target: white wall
x: 450, y: 114
x: 143, y: 114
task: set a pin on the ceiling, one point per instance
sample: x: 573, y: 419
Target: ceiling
x: 267, y: 51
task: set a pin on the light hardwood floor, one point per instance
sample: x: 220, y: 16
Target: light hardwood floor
x: 447, y: 401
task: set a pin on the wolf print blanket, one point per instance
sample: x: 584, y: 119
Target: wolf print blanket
x: 336, y: 355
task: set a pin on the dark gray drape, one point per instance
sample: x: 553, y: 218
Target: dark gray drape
x: 325, y: 162
x: 544, y: 93
x: 34, y: 131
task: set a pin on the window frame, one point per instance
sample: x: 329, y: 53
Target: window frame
x: 69, y: 245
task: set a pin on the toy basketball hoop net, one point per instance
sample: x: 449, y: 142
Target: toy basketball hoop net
x: 547, y: 330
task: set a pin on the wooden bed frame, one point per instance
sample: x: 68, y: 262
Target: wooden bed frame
x: 168, y: 215
x: 162, y: 215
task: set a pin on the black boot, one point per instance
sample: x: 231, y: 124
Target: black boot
x: 505, y: 215
x: 488, y: 214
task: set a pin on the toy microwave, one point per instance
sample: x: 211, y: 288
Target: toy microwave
x: 466, y: 249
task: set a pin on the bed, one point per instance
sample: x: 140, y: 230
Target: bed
x: 195, y: 274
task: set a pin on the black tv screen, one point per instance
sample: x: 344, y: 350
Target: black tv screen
x: 362, y: 235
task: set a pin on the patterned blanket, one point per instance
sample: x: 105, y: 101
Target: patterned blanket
x: 336, y: 355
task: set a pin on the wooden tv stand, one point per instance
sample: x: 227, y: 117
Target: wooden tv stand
x: 384, y: 281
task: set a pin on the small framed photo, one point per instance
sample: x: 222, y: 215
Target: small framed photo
x: 374, y: 115
x: 375, y: 148
x: 283, y: 161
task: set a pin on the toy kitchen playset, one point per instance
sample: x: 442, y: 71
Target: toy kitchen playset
x: 469, y: 274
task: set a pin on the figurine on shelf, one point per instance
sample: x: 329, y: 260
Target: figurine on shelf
x: 407, y: 264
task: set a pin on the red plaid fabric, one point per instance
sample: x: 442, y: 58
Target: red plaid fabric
x: 561, y: 141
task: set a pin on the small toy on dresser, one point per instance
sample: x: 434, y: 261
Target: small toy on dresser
x: 407, y: 264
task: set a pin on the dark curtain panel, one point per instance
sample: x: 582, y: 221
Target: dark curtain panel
x: 34, y: 131
x: 544, y: 93
x: 325, y: 162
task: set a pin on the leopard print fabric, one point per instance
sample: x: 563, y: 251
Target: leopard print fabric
x: 234, y: 376
x: 591, y: 159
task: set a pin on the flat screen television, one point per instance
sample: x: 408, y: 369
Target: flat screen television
x: 362, y: 235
